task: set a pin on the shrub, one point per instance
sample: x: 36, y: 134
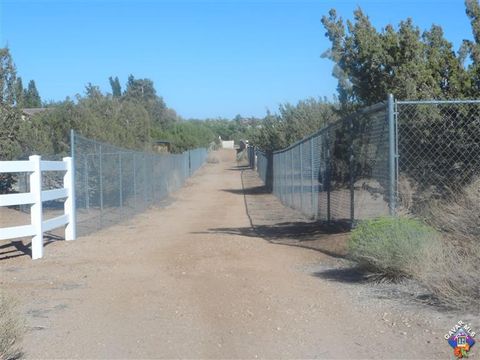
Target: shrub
x: 390, y: 247
x: 11, y: 329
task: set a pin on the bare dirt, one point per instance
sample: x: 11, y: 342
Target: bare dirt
x: 210, y: 276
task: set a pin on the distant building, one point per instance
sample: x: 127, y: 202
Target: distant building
x: 228, y: 144
x: 29, y: 112
x: 162, y: 146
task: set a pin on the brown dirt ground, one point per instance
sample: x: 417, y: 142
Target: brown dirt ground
x: 196, y: 280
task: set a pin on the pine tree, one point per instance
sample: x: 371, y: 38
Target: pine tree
x: 116, y: 87
x: 19, y: 93
x: 32, y: 97
x: 8, y: 76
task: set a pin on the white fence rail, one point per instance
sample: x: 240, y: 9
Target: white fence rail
x: 36, y: 197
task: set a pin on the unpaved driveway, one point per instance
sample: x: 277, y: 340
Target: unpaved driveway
x: 173, y: 283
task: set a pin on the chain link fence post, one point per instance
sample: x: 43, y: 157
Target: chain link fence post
x: 351, y: 169
x: 101, y: 184
x: 391, y: 154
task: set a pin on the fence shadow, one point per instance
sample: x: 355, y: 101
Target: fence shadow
x: 256, y: 190
x: 349, y: 275
x: 317, y: 235
x: 19, y: 248
x: 239, y: 168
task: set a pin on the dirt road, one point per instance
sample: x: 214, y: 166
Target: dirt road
x: 173, y: 283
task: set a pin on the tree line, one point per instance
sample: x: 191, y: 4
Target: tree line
x: 368, y: 64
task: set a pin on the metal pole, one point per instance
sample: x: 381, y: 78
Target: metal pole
x: 391, y: 153
x: 101, y: 187
x: 351, y: 170
x: 134, y: 182
x: 301, y: 175
x: 145, y: 180
x: 72, y: 178
x: 292, y: 177
x: 327, y: 178
x: 87, y: 195
x: 312, y: 175
x: 285, y: 183
x: 120, y: 185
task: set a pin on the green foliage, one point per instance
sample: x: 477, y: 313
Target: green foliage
x: 32, y: 97
x: 293, y: 123
x: 116, y: 87
x: 19, y: 93
x: 237, y: 129
x: 370, y: 64
x: 10, y: 120
x: 186, y: 135
x: 8, y: 78
x: 391, y: 247
x: 143, y: 91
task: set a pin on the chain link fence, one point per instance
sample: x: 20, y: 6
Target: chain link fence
x: 340, y: 173
x: 439, y: 151
x: 393, y: 157
x: 112, y: 183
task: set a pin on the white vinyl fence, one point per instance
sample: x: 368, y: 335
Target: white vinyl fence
x: 35, y: 166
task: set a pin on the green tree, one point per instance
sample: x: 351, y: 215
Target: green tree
x: 19, y: 93
x: 140, y: 89
x: 406, y: 62
x: 116, y: 87
x: 293, y: 123
x: 8, y: 76
x: 32, y: 97
x: 472, y: 48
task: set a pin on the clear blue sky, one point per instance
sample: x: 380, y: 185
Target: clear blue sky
x: 207, y: 58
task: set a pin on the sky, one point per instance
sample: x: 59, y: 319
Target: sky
x: 207, y: 58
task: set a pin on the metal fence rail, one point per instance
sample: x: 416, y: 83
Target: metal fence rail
x: 113, y: 183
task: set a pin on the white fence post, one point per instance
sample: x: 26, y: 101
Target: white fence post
x: 36, y: 214
x: 69, y: 205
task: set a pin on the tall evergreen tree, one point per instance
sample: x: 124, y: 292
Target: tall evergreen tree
x: 19, y: 93
x: 32, y: 97
x: 8, y: 76
x: 472, y: 48
x: 116, y: 87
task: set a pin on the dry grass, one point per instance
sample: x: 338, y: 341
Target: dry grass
x: 459, y: 216
x: 11, y: 328
x: 450, y: 268
x: 406, y: 195
x: 452, y: 273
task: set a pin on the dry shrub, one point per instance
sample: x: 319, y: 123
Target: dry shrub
x: 406, y: 195
x: 213, y: 158
x: 452, y: 273
x: 459, y: 216
x: 11, y: 328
